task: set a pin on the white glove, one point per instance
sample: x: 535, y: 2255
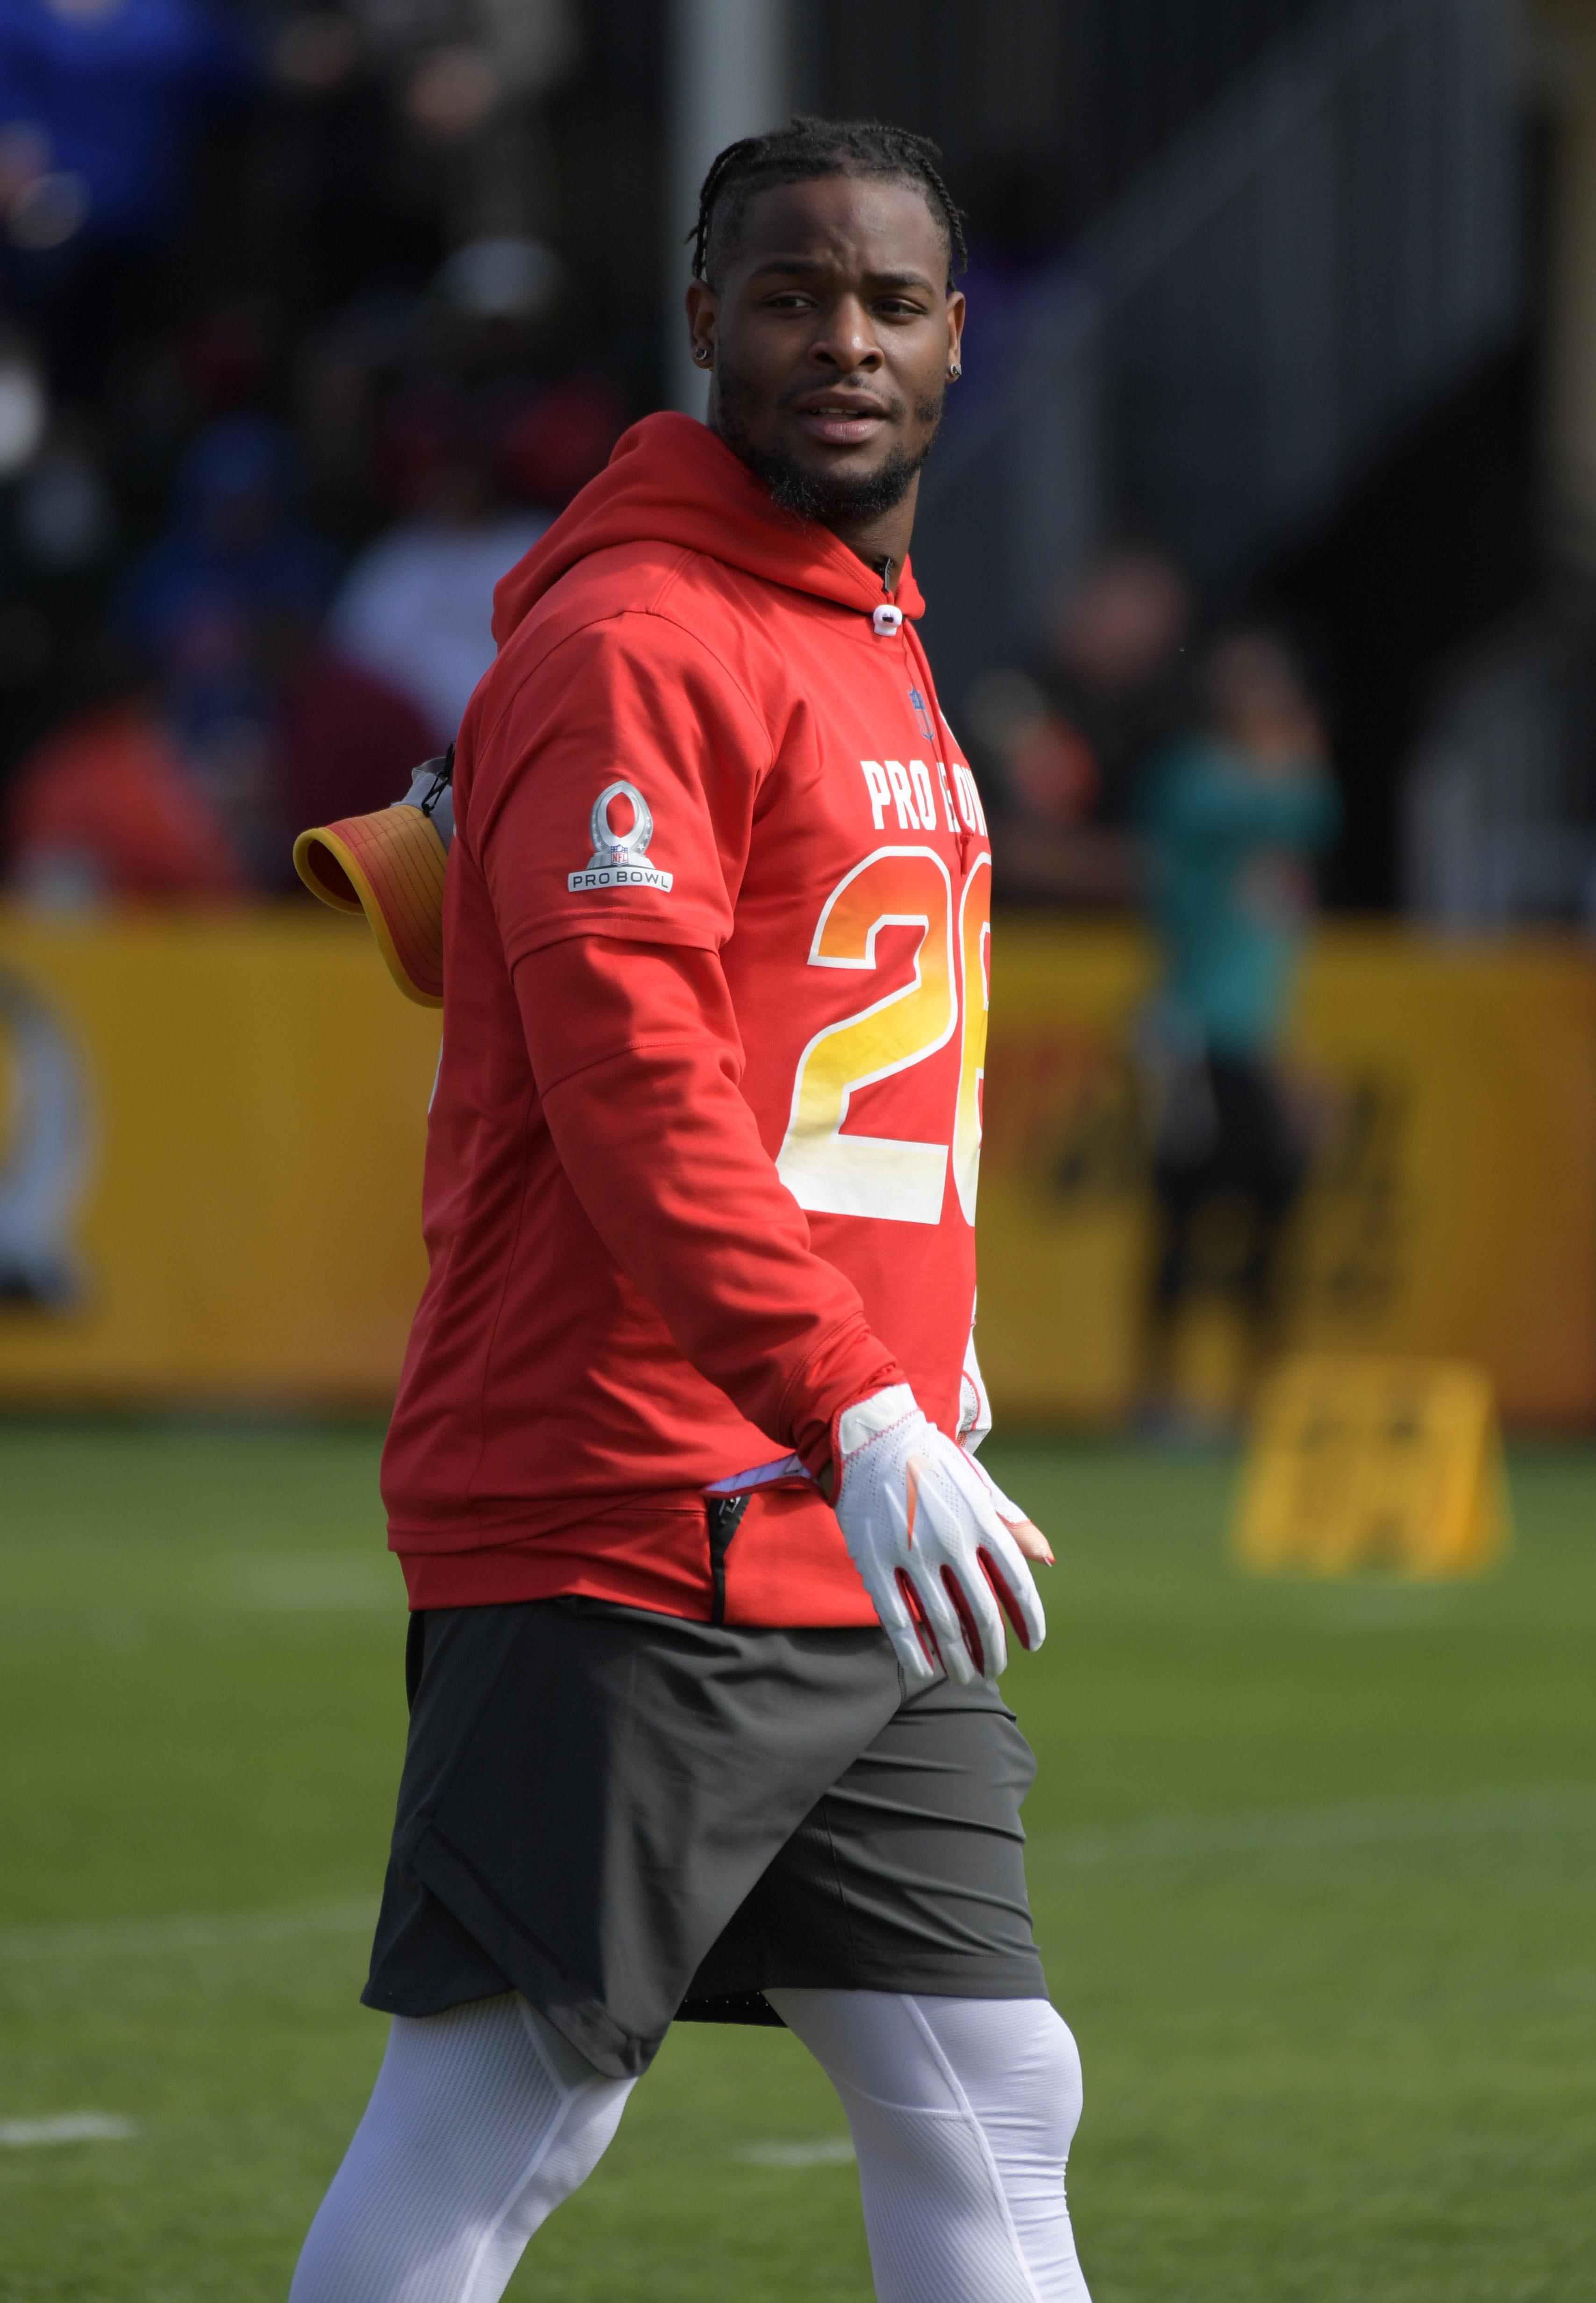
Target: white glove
x: 975, y: 1409
x: 975, y: 1424
x: 922, y: 1524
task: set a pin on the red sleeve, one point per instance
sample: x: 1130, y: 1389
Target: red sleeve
x: 638, y: 708
x: 635, y: 1051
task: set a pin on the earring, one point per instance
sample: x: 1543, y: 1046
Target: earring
x: 701, y: 353
x: 954, y: 372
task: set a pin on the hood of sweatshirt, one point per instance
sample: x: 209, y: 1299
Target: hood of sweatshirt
x: 670, y: 480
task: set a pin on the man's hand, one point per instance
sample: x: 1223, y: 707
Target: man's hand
x: 975, y: 1424
x: 1030, y: 1537
x: 925, y: 1528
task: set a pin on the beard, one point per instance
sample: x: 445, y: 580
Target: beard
x: 824, y: 496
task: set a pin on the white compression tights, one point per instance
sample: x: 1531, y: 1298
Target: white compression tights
x: 481, y: 2123
x: 483, y: 2120
x: 962, y: 2113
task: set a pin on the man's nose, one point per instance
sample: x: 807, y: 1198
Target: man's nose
x: 847, y: 341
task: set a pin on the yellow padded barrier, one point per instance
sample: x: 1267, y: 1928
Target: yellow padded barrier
x: 1372, y: 1464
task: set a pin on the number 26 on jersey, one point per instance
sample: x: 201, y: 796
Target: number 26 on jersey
x: 893, y: 1177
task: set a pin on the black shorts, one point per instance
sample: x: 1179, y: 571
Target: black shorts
x: 628, y: 1818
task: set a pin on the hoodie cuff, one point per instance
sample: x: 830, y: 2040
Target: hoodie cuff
x: 848, y: 1367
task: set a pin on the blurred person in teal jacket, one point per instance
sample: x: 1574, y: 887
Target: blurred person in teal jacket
x: 1231, y: 819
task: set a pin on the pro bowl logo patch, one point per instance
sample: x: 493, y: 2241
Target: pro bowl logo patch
x: 618, y: 858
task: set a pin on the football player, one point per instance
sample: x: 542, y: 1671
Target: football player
x: 709, y: 1594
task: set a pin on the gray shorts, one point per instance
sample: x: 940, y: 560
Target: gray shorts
x: 631, y: 1818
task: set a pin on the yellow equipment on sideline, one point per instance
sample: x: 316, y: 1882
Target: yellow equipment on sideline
x: 1373, y: 1463
x: 390, y: 867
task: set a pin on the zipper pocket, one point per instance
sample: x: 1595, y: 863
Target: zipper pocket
x: 725, y: 1515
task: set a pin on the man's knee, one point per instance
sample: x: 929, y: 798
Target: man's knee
x: 1017, y: 2067
x: 483, y: 2120
x: 1011, y: 2064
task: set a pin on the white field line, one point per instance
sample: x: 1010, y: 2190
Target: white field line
x: 1159, y: 1839
x: 269, y: 1583
x: 1188, y: 1838
x: 73, y: 1940
x: 826, y: 2151
x: 68, y: 2127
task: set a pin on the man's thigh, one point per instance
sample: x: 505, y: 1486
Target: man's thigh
x: 590, y: 1793
x: 907, y: 1875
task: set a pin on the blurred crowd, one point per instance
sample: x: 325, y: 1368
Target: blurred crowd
x: 1139, y: 761
x: 287, y: 381
x: 289, y: 375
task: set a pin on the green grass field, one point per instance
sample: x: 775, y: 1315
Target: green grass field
x: 1314, y: 1868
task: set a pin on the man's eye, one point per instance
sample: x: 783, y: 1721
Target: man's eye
x: 896, y: 308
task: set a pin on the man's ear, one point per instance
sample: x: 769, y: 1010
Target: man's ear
x: 703, y: 309
x: 956, y: 326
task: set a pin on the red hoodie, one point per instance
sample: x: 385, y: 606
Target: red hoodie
x: 701, y: 1157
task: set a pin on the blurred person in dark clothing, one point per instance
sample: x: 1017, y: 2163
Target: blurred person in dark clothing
x: 347, y: 739
x: 99, y: 103
x: 58, y: 539
x: 1231, y: 819
x: 273, y: 729
x: 1070, y: 738
x: 235, y: 557
x: 1115, y: 673
x: 235, y: 544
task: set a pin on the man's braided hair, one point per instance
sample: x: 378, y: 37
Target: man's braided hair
x: 808, y: 147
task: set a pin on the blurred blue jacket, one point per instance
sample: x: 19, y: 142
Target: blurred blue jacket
x: 235, y: 546
x: 116, y: 94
